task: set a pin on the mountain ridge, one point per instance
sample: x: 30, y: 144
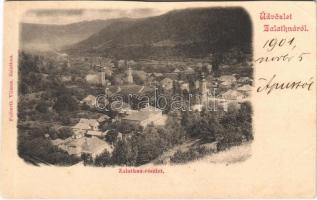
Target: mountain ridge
x: 47, y: 37
x: 189, y: 32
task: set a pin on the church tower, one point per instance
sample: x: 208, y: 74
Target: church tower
x: 203, y: 90
x: 68, y: 62
x: 130, y: 77
x: 103, y: 77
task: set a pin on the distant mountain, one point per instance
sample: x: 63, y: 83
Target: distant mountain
x: 45, y: 37
x: 187, y: 33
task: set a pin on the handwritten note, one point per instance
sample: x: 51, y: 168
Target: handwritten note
x: 282, y: 50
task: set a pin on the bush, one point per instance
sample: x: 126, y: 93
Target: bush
x: 87, y: 158
x: 53, y: 133
x: 65, y: 120
x: 42, y: 107
x: 64, y: 133
x: 39, y: 150
x: 124, y: 153
x: 183, y: 157
x: 190, y: 155
x: 103, y: 159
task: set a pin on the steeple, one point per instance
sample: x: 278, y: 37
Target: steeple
x: 130, y: 77
x: 68, y: 62
x: 103, y: 77
x: 203, y: 89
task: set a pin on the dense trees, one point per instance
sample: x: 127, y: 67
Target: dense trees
x: 65, y: 103
x: 227, y: 129
x: 140, y: 146
x: 40, y: 150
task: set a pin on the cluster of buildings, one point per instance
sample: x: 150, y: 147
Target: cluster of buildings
x: 87, y: 136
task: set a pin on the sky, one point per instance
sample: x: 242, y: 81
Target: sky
x: 50, y: 16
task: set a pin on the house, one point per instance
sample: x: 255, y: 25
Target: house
x: 209, y: 67
x: 227, y: 78
x: 57, y: 142
x: 244, y: 80
x: 233, y: 95
x: 189, y: 70
x: 66, y: 78
x: 146, y: 116
x: 92, y: 146
x: 120, y: 107
x: 108, y: 71
x: 173, y: 76
x: 155, y: 74
x: 224, y: 66
x: 90, y: 100
x: 245, y: 88
x: 226, y: 84
x: 139, y: 74
x: 197, y: 107
x: 128, y: 89
x: 197, y: 84
x: 184, y: 86
x: 84, y: 125
x: 211, y: 146
x: 93, y: 79
x: 167, y: 83
x: 103, y: 118
x: 153, y: 77
x: 95, y: 133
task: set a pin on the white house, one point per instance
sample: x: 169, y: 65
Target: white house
x: 84, y: 125
x: 146, y: 116
x: 227, y: 78
x: 92, y: 146
x: 93, y: 79
x: 233, y: 95
x: 245, y: 89
x: 90, y: 100
x: 167, y: 83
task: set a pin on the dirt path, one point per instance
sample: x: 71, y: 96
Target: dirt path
x: 229, y: 156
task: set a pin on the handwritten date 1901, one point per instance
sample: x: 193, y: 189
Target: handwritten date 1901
x: 270, y: 44
x: 288, y: 56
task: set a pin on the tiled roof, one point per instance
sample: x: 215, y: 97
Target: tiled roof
x: 91, y: 145
x: 142, y: 114
x: 89, y: 98
x: 245, y: 88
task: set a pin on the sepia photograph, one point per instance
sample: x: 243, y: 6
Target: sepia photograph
x: 135, y: 87
x: 171, y: 100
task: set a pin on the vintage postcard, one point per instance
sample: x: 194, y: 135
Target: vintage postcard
x: 127, y: 99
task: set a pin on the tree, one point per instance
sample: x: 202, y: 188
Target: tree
x: 124, y: 153
x: 126, y: 128
x: 87, y: 158
x: 65, y: 132
x: 42, y: 107
x: 216, y: 60
x: 65, y: 103
x: 40, y: 150
x: 103, y: 159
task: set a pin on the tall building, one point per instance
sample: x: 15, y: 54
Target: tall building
x: 103, y: 77
x: 130, y: 77
x: 203, y: 90
x: 68, y: 62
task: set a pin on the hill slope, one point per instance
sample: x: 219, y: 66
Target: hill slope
x: 188, y: 33
x: 44, y: 37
